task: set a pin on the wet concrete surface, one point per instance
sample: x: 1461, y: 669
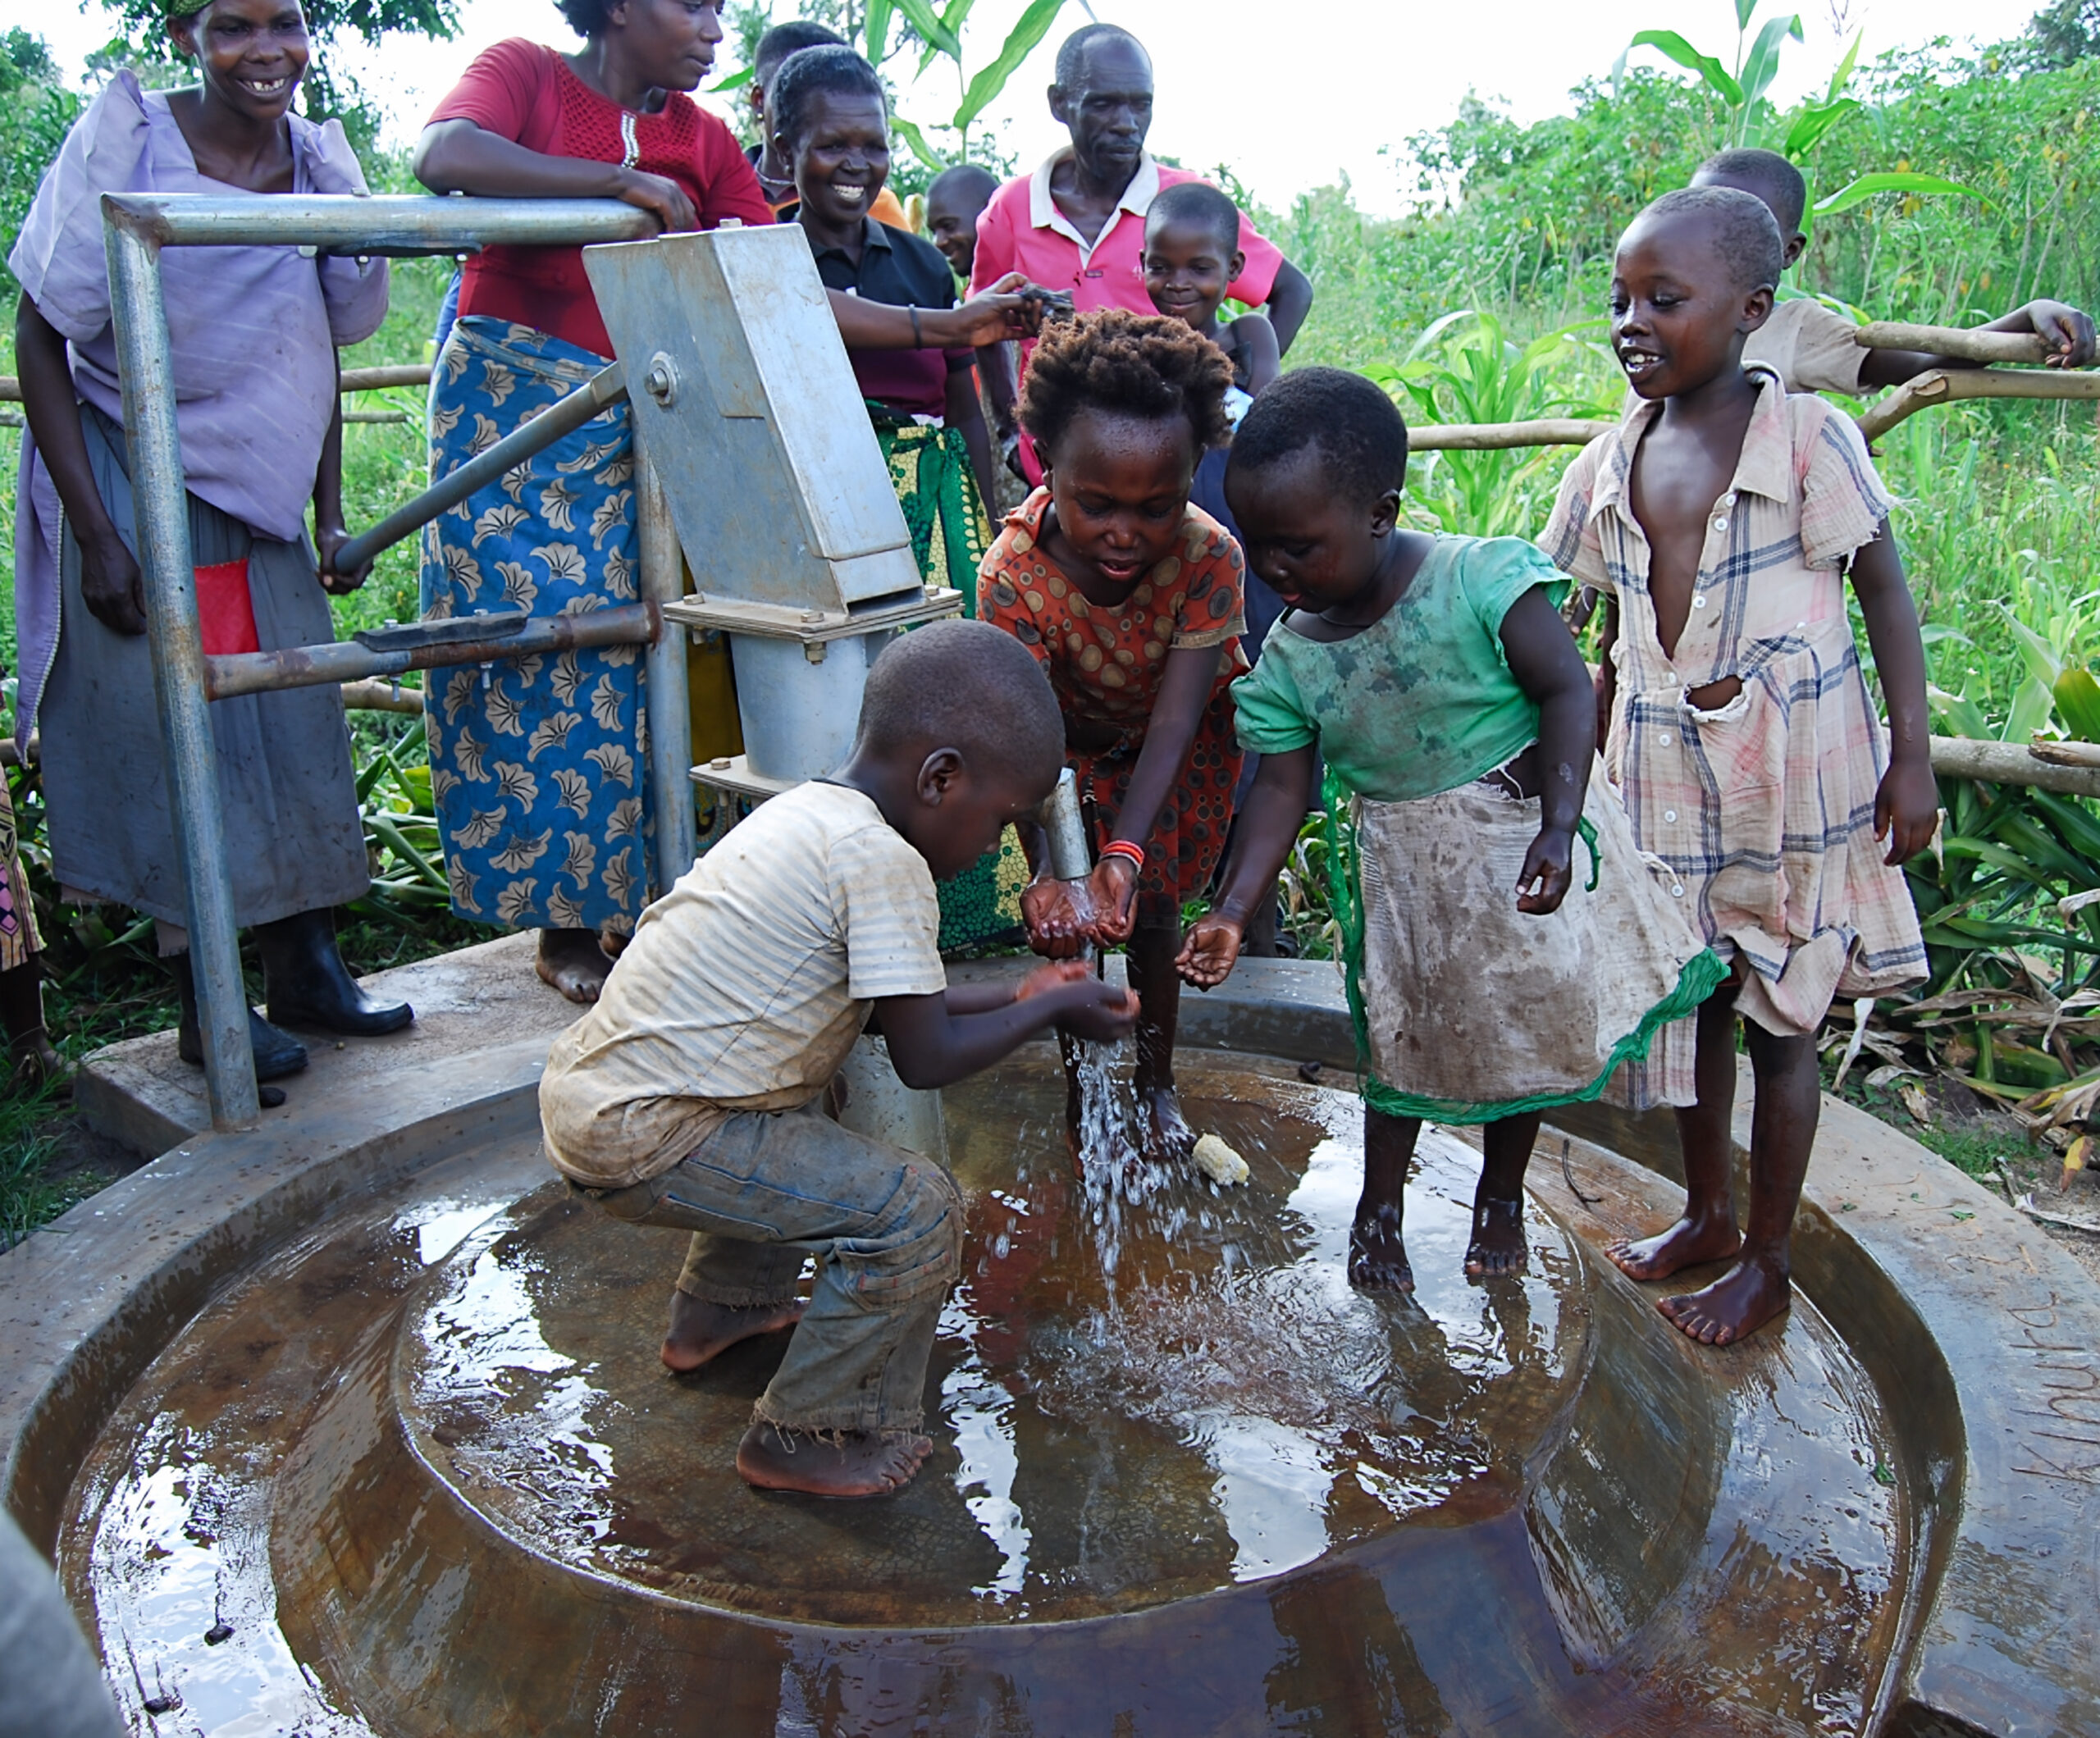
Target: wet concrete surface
x: 141, y: 1096
x: 199, y: 1380
x: 425, y: 1473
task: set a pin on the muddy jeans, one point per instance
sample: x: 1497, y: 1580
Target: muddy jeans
x: 769, y: 1187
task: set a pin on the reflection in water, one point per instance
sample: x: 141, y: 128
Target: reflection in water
x: 1348, y: 1666
x: 1408, y: 1511
x: 980, y: 1412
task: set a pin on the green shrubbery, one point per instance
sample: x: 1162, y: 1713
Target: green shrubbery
x: 1480, y: 307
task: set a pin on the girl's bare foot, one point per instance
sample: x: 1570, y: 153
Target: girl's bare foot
x: 701, y: 1331
x: 855, y: 1463
x: 1740, y: 1302
x: 1377, y: 1258
x: 1498, y: 1245
x: 1686, y: 1244
x: 572, y: 961
x: 1168, y: 1139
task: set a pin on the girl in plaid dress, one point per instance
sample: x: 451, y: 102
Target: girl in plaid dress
x: 1720, y: 521
x: 1130, y: 599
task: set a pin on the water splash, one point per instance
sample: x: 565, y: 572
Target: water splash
x: 1116, y: 1178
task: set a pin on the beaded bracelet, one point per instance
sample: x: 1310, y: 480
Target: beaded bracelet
x: 1134, y: 855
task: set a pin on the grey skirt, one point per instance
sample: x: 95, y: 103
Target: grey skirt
x: 287, y: 794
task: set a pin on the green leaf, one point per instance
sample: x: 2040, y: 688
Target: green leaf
x: 1810, y: 125
x: 2032, y: 706
x: 1673, y: 47
x: 931, y: 26
x: 1962, y: 716
x: 2040, y: 656
x: 1745, y: 11
x: 958, y: 11
x: 1843, y: 76
x: 1020, y: 42
x: 2078, y: 700
x: 734, y: 81
x: 1763, y: 66
x: 1891, y: 181
x: 876, y: 43
x: 909, y: 133
x: 2080, y: 826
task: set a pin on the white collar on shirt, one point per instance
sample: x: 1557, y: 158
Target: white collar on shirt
x: 1043, y: 212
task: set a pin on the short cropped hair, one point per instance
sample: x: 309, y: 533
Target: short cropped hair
x: 585, y: 17
x: 1358, y: 432
x: 966, y: 686
x: 791, y: 37
x: 1768, y: 176
x: 1198, y: 202
x: 964, y: 180
x: 1746, y: 234
x: 1127, y: 364
x: 810, y: 73
x: 1072, y: 52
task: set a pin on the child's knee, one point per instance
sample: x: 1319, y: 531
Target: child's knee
x: 918, y: 1253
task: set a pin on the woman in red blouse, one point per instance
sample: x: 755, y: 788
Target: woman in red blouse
x: 538, y: 770
x: 537, y: 773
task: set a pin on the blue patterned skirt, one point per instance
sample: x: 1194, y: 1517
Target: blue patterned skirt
x: 538, y: 766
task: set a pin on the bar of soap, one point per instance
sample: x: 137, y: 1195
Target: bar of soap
x: 1219, y: 1162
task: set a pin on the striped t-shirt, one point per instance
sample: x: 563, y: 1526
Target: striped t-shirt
x: 744, y: 987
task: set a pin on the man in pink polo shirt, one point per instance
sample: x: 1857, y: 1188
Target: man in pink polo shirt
x: 1078, y: 224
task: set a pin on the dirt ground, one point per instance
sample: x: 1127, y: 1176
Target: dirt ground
x: 1994, y: 1149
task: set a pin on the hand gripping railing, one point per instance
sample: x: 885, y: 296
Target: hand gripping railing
x: 136, y: 227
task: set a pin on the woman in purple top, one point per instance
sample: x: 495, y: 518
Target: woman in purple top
x: 254, y: 332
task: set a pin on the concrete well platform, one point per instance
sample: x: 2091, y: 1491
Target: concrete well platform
x: 1976, y: 1336
x: 143, y: 1095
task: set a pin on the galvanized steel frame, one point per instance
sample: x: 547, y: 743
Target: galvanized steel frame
x: 136, y: 227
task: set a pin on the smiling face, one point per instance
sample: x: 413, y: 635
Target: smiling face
x: 1120, y: 487
x: 1188, y: 267
x: 1315, y: 547
x: 842, y: 158
x: 672, y: 41
x: 1107, y: 109
x: 1678, y: 316
x: 251, y: 53
x: 952, y: 220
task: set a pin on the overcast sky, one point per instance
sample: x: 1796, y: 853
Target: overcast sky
x: 1290, y: 105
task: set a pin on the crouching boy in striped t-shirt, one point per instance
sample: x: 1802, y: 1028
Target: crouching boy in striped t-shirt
x: 688, y: 1095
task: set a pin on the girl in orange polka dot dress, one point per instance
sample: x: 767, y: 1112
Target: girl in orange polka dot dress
x: 1130, y: 598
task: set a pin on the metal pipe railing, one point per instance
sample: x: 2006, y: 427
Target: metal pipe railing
x: 160, y: 518
x: 663, y: 684
x: 232, y: 673
x: 135, y: 228
x: 382, y: 224
x: 563, y: 418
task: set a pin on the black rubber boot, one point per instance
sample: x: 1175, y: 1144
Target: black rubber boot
x: 308, y: 985
x: 276, y: 1053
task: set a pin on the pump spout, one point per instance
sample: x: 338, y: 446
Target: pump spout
x: 1070, y: 859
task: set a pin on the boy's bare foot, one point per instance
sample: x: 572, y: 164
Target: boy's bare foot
x: 1737, y: 1304
x: 701, y: 1331
x: 572, y: 961
x: 1377, y: 1258
x: 1168, y: 1139
x: 1686, y: 1244
x: 857, y: 1463
x: 1498, y: 1245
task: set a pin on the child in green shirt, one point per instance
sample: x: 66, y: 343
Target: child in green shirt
x: 1488, y: 977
